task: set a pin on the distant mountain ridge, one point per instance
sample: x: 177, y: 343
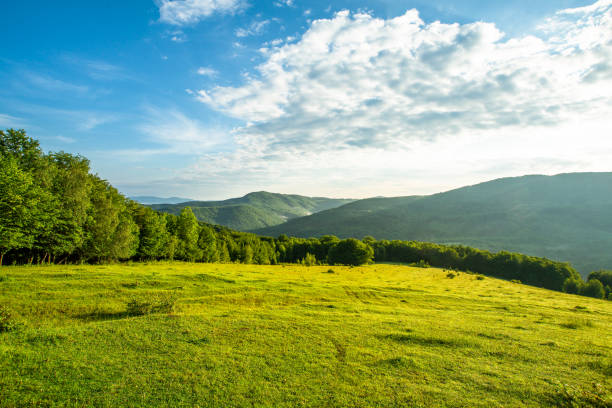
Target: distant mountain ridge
x: 566, y: 217
x: 254, y: 210
x: 146, y: 200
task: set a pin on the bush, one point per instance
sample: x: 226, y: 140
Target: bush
x: 451, y: 275
x: 516, y: 281
x: 309, y: 260
x: 572, y: 286
x: 7, y: 323
x: 605, y: 277
x: 350, y: 251
x: 159, y: 303
x: 480, y: 277
x: 593, y: 288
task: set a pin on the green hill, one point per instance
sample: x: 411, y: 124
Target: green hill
x: 566, y: 217
x: 254, y: 210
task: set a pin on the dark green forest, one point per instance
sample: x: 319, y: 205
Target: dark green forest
x: 54, y: 210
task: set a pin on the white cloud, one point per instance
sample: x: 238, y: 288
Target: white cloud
x: 180, y: 12
x: 284, y: 3
x: 361, y: 93
x: 207, y: 71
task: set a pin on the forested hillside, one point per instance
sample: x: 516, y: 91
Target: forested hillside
x: 254, y: 210
x: 566, y: 217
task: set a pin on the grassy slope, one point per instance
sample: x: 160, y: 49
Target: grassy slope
x: 566, y: 217
x: 246, y: 335
x: 254, y: 210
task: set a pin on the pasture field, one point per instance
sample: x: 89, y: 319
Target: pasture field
x: 233, y: 335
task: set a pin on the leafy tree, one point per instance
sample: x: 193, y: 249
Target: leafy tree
x: 153, y: 238
x: 605, y: 277
x: 593, y: 288
x: 208, y: 244
x: 112, y: 234
x: 187, y: 232
x: 350, y: 252
x: 573, y: 286
x: 19, y: 214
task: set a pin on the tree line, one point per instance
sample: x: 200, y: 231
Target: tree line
x: 53, y: 210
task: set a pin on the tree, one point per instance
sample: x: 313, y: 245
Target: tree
x: 187, y: 232
x: 573, y: 286
x: 19, y: 198
x: 350, y: 252
x: 153, y: 238
x: 208, y: 244
x: 593, y: 288
x: 112, y: 233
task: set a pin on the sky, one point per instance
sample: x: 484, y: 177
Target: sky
x: 212, y: 99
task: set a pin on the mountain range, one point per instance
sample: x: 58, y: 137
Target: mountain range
x: 254, y: 210
x: 567, y: 217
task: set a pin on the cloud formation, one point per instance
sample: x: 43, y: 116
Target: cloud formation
x: 371, y: 95
x: 181, y: 12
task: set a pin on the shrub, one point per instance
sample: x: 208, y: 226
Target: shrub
x: 593, y: 288
x: 159, y: 303
x: 572, y: 286
x: 451, y: 275
x: 480, y: 277
x: 7, y: 323
x: 516, y: 281
x: 350, y: 251
x: 421, y: 264
x: 330, y: 271
x: 309, y: 260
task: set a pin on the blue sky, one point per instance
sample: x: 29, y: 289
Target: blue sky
x: 215, y: 98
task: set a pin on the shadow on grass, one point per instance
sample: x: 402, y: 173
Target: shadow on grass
x: 102, y: 315
x: 430, y: 341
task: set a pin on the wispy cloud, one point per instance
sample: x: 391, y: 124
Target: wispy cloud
x: 47, y: 83
x: 255, y: 28
x: 176, y: 133
x: 97, y: 69
x: 180, y: 12
x: 9, y: 121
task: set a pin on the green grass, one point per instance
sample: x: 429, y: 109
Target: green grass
x: 175, y: 334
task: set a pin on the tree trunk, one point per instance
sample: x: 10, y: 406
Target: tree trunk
x: 1, y: 258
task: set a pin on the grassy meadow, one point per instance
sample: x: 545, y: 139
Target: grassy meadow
x: 225, y: 335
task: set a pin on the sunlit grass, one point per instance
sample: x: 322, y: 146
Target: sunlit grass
x: 247, y: 335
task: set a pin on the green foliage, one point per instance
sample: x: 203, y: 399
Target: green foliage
x: 605, y: 277
x: 187, y: 231
x: 309, y: 260
x: 350, y: 252
x: 573, y: 285
x: 593, y: 288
